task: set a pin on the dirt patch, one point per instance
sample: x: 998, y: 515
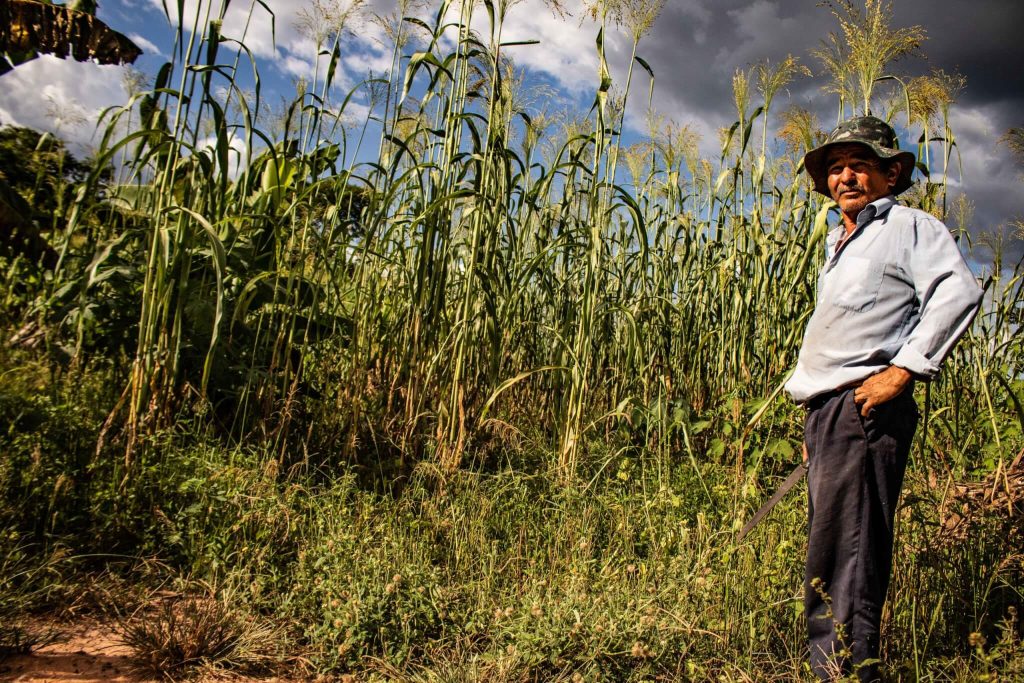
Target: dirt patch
x: 85, y: 652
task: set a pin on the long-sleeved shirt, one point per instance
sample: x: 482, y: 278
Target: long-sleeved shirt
x: 896, y: 292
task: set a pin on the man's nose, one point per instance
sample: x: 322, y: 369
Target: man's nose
x: 847, y: 175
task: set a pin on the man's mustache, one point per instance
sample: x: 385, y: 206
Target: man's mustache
x: 851, y: 188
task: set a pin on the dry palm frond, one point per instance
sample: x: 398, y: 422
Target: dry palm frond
x: 28, y: 29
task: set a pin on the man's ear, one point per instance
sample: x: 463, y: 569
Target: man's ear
x: 893, y: 173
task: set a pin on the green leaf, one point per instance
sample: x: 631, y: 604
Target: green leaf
x: 645, y: 65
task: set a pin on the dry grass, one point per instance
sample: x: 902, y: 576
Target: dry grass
x: 176, y: 636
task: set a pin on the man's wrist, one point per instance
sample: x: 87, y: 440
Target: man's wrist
x: 901, y: 372
x: 901, y: 375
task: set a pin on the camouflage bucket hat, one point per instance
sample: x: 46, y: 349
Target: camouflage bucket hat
x: 872, y: 132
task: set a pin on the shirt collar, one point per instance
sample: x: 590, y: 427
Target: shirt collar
x: 875, y: 209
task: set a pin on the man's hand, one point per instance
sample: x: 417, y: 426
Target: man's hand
x: 804, y: 447
x: 880, y: 388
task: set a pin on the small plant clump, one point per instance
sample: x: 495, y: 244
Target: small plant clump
x: 174, y: 635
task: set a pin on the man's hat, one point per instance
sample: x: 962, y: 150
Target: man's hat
x: 874, y: 133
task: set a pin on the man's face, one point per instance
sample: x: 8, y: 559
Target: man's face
x: 856, y: 177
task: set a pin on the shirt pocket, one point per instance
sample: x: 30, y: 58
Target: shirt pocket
x: 855, y: 283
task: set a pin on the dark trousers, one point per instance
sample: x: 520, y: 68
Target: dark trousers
x: 855, y: 471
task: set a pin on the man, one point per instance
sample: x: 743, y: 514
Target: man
x: 894, y: 296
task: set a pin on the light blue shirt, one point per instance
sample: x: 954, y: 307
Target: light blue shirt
x: 897, y: 292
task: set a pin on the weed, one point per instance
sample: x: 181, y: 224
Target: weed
x: 172, y: 636
x: 29, y: 581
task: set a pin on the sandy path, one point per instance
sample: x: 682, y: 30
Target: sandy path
x: 90, y: 651
x: 87, y: 652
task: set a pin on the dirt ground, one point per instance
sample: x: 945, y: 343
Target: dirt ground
x: 85, y: 652
x: 89, y: 651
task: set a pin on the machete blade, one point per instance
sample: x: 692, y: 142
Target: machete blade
x: 794, y: 476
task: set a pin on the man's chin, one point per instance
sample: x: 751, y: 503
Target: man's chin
x: 852, y: 204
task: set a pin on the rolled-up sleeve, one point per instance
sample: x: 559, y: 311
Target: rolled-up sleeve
x: 948, y: 293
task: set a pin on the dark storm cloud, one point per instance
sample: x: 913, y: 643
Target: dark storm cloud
x: 980, y: 39
x: 697, y: 45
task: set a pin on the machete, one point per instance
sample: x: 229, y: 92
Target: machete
x: 794, y: 476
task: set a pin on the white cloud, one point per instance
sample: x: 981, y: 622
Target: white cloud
x: 297, y: 67
x: 566, y: 54
x: 567, y: 51
x: 257, y: 34
x: 697, y: 15
x: 361, y: 63
x: 61, y: 96
x: 355, y: 113
x: 974, y: 121
x: 238, y: 152
x: 989, y: 173
x: 279, y: 41
x: 147, y: 46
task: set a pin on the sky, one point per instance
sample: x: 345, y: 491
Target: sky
x: 694, y: 48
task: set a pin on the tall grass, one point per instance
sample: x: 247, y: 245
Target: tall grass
x: 482, y: 263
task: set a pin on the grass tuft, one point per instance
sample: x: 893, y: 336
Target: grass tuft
x: 176, y: 636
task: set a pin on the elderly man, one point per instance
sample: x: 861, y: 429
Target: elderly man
x: 894, y: 296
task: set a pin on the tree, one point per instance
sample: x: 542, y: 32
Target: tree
x: 37, y: 175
